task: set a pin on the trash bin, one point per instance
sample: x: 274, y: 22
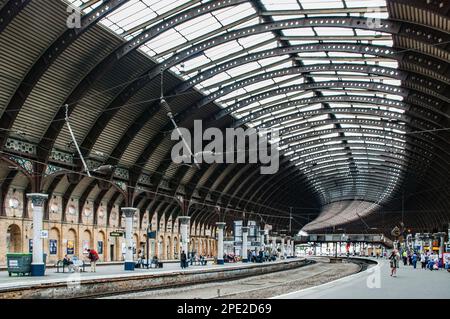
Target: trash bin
x: 20, y: 263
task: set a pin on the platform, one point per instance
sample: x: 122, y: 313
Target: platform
x: 113, y: 279
x: 376, y: 283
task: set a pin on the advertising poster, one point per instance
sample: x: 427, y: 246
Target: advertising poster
x: 53, y: 246
x: 85, y: 246
x: 70, y: 247
x: 100, y: 247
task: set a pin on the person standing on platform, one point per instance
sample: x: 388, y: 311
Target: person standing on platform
x: 93, y: 257
x: 423, y: 260
x: 414, y: 260
x: 405, y: 258
x: 394, y: 261
x: 183, y: 259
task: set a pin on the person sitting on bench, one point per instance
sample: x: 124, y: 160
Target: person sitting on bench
x: 69, y: 263
x: 141, y: 259
x: 156, y: 262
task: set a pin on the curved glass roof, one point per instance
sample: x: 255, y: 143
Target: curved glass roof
x: 322, y: 71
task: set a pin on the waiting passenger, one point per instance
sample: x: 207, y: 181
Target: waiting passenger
x: 69, y: 263
x: 414, y: 260
x: 183, y: 260
x: 405, y: 257
x: 203, y: 261
x: 141, y: 258
x: 423, y: 260
x: 93, y: 258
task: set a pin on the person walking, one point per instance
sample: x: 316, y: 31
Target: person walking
x: 405, y: 257
x: 93, y: 257
x: 414, y: 260
x: 394, y: 259
x: 423, y: 260
x: 183, y: 260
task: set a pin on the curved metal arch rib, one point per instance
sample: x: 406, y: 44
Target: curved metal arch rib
x: 10, y: 10
x: 358, y: 85
x: 47, y: 58
x: 147, y: 76
x: 116, y: 56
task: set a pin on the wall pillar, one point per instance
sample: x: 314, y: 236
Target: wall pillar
x: 220, y: 228
x: 37, y: 264
x: 129, y: 215
x: 244, y: 244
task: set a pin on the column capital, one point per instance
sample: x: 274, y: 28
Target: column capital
x: 129, y: 211
x: 245, y: 229
x: 184, y: 219
x: 37, y: 199
x: 220, y: 225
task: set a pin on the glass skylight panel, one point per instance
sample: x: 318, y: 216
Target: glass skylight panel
x: 249, y: 23
x: 162, y: 6
x: 321, y: 4
x: 366, y: 3
x: 165, y: 41
x: 252, y: 66
x: 330, y: 31
x: 216, y: 79
x: 272, y: 60
x: 223, y: 50
x: 255, y: 39
x: 281, y: 4
x: 134, y: 15
x: 196, y: 62
x: 232, y: 14
x: 199, y: 26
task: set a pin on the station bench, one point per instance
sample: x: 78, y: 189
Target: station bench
x: 60, y: 264
x: 149, y: 264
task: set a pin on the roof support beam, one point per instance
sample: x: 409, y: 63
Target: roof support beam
x: 45, y: 61
x: 322, y: 11
x: 10, y: 10
x: 108, y: 63
x: 377, y: 37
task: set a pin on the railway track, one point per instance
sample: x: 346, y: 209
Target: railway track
x: 319, y: 271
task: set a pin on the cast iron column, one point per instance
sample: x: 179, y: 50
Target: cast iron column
x: 129, y: 214
x: 37, y: 264
x: 220, y: 228
x: 184, y: 220
x: 244, y: 244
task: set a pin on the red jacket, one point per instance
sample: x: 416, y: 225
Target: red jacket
x: 93, y: 255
